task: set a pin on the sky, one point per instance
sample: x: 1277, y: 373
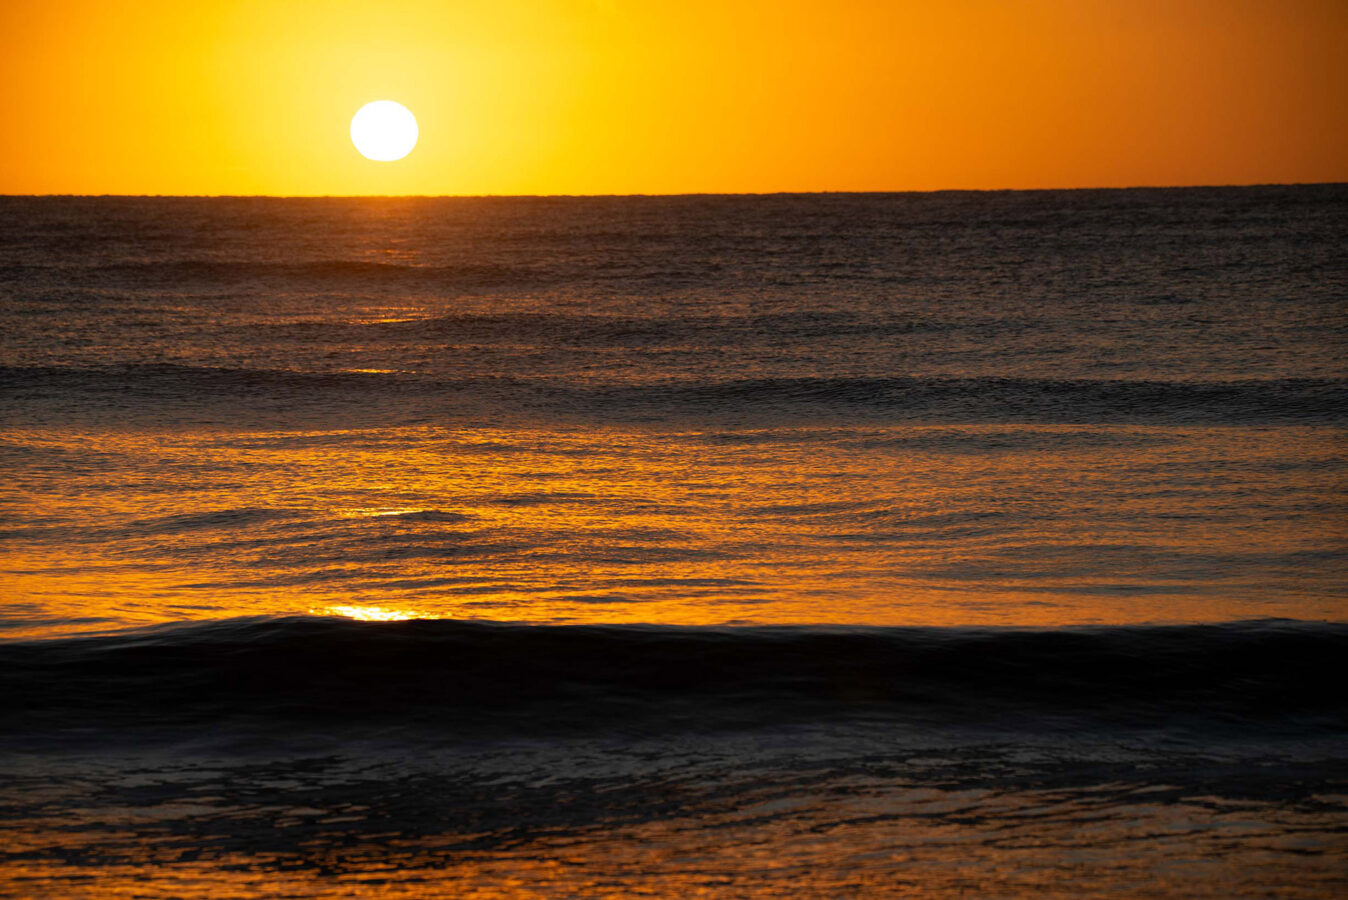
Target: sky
x: 659, y: 96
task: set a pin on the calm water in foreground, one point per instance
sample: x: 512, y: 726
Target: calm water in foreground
x: 817, y: 546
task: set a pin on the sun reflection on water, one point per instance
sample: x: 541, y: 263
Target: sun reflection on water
x: 375, y: 512
x: 373, y: 613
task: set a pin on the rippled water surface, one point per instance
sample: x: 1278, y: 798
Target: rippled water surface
x: 1034, y: 408
x: 920, y: 545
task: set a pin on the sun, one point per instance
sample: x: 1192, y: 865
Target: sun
x: 384, y: 130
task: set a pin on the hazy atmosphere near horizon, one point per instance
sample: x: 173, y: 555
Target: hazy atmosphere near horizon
x: 587, y: 448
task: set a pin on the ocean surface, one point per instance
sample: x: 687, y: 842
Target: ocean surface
x: 920, y: 545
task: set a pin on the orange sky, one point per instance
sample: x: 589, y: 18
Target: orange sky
x: 671, y: 96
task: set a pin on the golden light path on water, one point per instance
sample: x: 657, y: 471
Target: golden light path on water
x: 911, y: 525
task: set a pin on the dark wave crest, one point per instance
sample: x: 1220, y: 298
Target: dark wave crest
x: 148, y: 390
x: 491, y: 678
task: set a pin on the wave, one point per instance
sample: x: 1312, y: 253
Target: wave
x: 176, y: 272
x: 475, y: 677
x: 997, y: 399
x: 142, y: 389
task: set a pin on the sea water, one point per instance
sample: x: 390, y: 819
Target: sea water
x: 829, y: 545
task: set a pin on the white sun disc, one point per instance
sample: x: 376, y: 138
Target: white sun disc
x: 384, y: 130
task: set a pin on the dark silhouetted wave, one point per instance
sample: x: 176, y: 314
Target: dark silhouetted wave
x: 492, y: 678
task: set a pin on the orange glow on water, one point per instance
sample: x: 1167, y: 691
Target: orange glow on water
x: 582, y: 526
x: 570, y: 96
x: 861, y: 840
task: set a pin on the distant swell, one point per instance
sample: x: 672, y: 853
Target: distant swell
x: 176, y: 273
x: 139, y: 391
x: 462, y: 677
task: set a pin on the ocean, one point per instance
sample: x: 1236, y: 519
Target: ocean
x: 917, y: 545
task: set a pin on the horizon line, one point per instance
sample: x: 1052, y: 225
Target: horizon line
x: 566, y: 196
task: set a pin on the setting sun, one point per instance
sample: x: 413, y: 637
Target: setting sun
x: 588, y: 97
x: 384, y: 131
